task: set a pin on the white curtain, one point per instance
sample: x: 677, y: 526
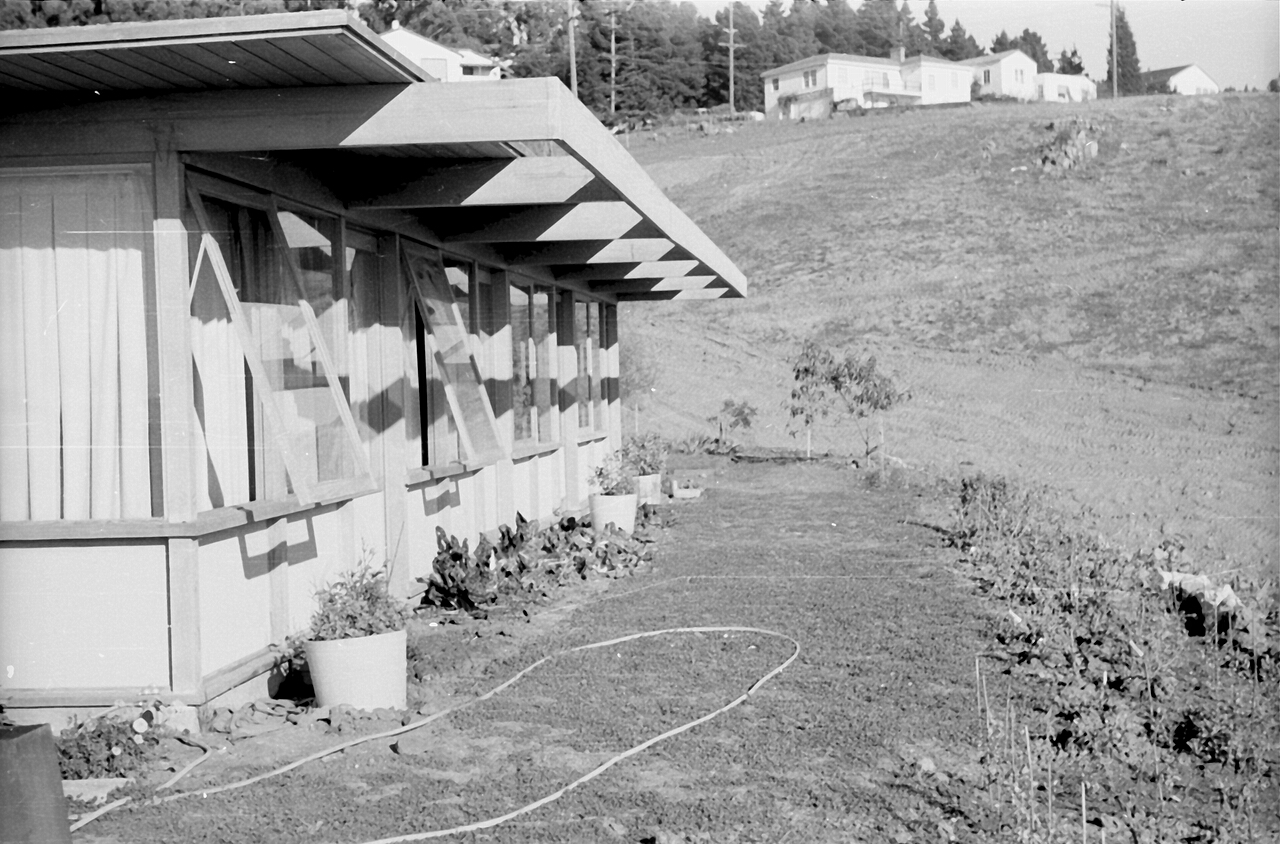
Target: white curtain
x: 74, y: 413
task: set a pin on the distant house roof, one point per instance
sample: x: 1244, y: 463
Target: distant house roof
x: 822, y: 58
x: 473, y: 59
x: 1160, y: 77
x: 252, y: 51
x: 993, y: 58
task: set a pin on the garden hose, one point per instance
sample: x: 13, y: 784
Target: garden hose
x: 492, y: 822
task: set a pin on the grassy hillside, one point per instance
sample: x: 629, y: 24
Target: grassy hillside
x: 1114, y: 333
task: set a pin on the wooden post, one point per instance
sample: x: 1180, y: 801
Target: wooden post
x: 177, y: 409
x: 391, y: 409
x: 610, y: 390
x: 570, y: 388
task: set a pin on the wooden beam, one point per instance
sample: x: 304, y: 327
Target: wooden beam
x: 661, y: 295
x: 620, y: 271
x: 531, y: 224
x: 517, y: 181
x: 674, y: 284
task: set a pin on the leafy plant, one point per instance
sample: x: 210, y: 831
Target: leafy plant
x: 358, y: 604
x: 646, y: 454
x: 614, y: 476
x: 825, y: 384
x: 103, y: 747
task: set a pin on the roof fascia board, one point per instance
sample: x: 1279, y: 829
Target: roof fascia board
x: 365, y: 116
x: 70, y: 39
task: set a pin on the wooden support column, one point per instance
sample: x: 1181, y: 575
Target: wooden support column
x: 568, y: 391
x: 610, y: 386
x: 387, y: 388
x: 500, y: 371
x: 177, y: 409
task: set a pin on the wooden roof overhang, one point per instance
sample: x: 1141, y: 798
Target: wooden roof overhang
x: 518, y: 167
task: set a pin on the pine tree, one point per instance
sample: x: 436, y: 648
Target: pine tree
x: 1002, y: 43
x: 1071, y: 64
x: 1129, y: 73
x: 1031, y: 44
x: 935, y: 28
x: 960, y: 44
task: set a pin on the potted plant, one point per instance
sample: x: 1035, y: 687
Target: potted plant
x: 614, y: 502
x: 357, y: 650
x: 646, y: 454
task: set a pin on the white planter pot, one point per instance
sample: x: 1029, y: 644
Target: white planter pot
x: 367, y: 673
x: 649, y: 489
x: 619, y: 509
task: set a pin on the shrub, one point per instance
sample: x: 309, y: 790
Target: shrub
x: 614, y: 476
x: 358, y: 604
x: 646, y: 454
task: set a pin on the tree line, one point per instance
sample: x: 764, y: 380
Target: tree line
x: 633, y: 57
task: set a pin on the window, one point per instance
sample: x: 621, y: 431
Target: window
x: 455, y: 412
x: 531, y: 355
x: 810, y: 78
x: 1019, y: 76
x: 473, y: 70
x: 774, y: 81
x: 986, y: 77
x: 269, y: 338
x: 592, y: 366
x: 77, y: 379
x: 884, y: 80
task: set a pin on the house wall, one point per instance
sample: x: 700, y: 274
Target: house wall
x: 1065, y: 88
x: 1012, y: 76
x: 937, y: 81
x: 792, y: 83
x: 210, y: 589
x: 1192, y: 81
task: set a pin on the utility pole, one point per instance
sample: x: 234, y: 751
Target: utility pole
x: 573, y: 55
x: 1115, y: 48
x: 733, y: 109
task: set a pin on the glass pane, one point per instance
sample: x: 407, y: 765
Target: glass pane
x: 310, y: 239
x: 542, y: 329
x: 523, y: 409
x: 582, y: 343
x: 458, y: 274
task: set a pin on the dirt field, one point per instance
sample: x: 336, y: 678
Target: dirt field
x: 829, y: 750
x: 1114, y: 334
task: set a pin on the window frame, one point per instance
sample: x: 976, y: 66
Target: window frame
x: 361, y: 481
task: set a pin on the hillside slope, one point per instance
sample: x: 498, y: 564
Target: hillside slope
x: 1114, y: 333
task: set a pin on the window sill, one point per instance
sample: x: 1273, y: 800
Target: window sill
x: 594, y: 436
x: 442, y: 471
x: 208, y: 522
x: 531, y: 449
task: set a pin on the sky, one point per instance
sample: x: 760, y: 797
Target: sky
x: 1236, y: 42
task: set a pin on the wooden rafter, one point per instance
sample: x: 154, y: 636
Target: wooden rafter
x: 517, y: 181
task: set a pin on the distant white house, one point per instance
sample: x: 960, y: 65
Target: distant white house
x: 1065, y: 88
x: 937, y: 80
x: 1187, y: 79
x: 1010, y: 73
x: 448, y: 64
x: 816, y: 86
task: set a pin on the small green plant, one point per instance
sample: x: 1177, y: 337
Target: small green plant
x: 103, y: 747
x: 825, y: 384
x: 358, y: 604
x: 646, y: 454
x: 614, y: 476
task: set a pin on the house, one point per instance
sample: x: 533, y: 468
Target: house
x: 938, y: 80
x: 270, y: 301
x: 817, y: 86
x: 1010, y: 73
x: 1065, y: 88
x: 1187, y: 79
x: 446, y: 64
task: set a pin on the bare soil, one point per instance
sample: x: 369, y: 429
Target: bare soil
x: 831, y: 749
x: 1114, y: 334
